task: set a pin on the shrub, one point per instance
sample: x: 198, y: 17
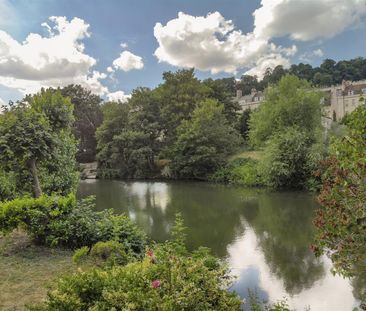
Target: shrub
x: 168, y: 278
x: 7, y: 186
x: 109, y: 253
x: 241, y: 171
x: 61, y: 221
x: 287, y: 161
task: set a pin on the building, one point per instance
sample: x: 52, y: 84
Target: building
x: 251, y: 101
x: 342, y: 99
x: 338, y: 100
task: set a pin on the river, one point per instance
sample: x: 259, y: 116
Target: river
x: 264, y: 235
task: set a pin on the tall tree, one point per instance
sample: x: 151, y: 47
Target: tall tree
x: 32, y: 132
x: 88, y: 117
x: 179, y: 95
x: 341, y: 221
x: 204, y: 142
x: 223, y: 90
x: 290, y: 103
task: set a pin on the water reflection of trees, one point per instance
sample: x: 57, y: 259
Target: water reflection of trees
x: 216, y: 215
x: 282, y: 223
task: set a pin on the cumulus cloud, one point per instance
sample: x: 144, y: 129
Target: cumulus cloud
x: 54, y: 60
x: 271, y: 60
x: 118, y: 96
x: 307, y: 20
x: 128, y: 61
x: 213, y: 44
x: 307, y: 56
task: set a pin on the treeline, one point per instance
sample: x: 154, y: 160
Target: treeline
x: 184, y: 128
x: 328, y: 73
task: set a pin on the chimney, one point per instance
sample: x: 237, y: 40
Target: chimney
x: 239, y: 93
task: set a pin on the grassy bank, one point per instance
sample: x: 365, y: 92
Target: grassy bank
x: 26, y: 270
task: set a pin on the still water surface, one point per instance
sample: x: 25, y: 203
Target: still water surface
x: 264, y: 235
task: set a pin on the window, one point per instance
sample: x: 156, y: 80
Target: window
x: 350, y: 92
x: 364, y: 90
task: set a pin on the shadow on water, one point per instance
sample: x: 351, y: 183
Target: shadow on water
x: 264, y: 235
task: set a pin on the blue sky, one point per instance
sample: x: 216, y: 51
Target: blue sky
x: 280, y: 32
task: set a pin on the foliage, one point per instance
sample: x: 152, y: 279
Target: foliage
x: 223, y: 90
x: 103, y: 253
x: 241, y: 171
x: 204, y: 142
x: 168, y: 278
x: 328, y: 73
x: 61, y: 221
x: 88, y: 117
x: 8, y: 189
x: 128, y: 139
x: 290, y: 103
x: 115, y: 119
x: 287, y: 162
x: 341, y: 221
x: 36, y: 134
x: 178, y: 96
x: 244, y: 123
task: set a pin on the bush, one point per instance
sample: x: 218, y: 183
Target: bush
x: 109, y: 253
x: 289, y: 159
x: 61, y: 221
x: 7, y: 186
x: 242, y: 171
x: 168, y: 278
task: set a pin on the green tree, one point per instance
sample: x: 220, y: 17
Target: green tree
x: 115, y: 120
x: 287, y: 162
x: 244, y: 123
x: 179, y: 95
x: 341, y: 221
x: 33, y: 132
x: 223, y: 90
x: 292, y: 102
x: 88, y: 117
x: 204, y: 142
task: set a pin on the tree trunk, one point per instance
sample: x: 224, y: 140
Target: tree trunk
x: 37, y: 191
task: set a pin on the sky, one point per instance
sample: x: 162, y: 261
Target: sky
x: 114, y: 46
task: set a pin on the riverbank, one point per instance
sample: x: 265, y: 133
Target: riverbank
x: 26, y: 270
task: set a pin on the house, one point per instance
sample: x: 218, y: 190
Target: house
x: 338, y: 100
x: 342, y: 99
x: 251, y: 101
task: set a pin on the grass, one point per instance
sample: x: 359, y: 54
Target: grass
x: 27, y: 269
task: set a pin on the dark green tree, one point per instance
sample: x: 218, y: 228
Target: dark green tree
x: 179, y: 95
x: 204, y: 142
x: 88, y: 117
x: 36, y: 132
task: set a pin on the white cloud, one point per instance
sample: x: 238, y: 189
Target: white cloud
x: 318, y: 53
x: 118, y: 96
x: 55, y: 60
x: 211, y: 43
x: 307, y: 20
x: 307, y: 56
x: 128, y: 61
x: 124, y: 45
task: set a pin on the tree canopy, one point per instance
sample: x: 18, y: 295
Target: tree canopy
x: 35, y: 137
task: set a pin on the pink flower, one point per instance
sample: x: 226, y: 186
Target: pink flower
x: 156, y: 284
x: 150, y: 253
